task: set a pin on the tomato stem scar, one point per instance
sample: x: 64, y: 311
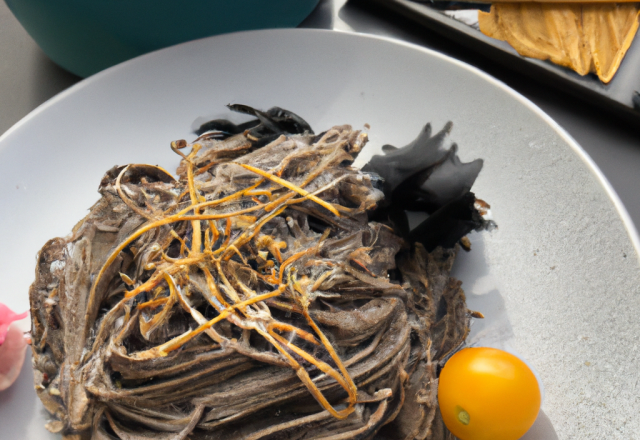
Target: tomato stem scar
x: 463, y: 416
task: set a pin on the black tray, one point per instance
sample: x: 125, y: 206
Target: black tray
x: 619, y: 96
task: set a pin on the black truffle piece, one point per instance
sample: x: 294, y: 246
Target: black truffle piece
x: 428, y: 176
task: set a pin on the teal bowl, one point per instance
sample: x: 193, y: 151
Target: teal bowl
x: 86, y: 36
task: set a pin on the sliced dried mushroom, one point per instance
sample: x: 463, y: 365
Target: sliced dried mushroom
x: 252, y: 298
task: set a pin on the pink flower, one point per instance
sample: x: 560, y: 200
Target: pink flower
x: 12, y: 346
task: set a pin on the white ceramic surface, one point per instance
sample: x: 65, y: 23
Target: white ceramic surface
x: 559, y: 280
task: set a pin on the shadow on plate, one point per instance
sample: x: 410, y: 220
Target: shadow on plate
x: 542, y: 429
x: 22, y: 415
x: 482, y: 290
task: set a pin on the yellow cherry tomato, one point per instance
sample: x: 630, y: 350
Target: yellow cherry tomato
x: 488, y: 394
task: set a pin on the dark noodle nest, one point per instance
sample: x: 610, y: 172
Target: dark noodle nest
x: 265, y: 294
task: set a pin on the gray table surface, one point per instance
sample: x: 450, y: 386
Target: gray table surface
x: 28, y: 78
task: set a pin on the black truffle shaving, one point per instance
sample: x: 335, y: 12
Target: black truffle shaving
x: 428, y: 176
x: 267, y: 127
x: 449, y: 224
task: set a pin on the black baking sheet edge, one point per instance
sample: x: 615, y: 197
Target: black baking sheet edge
x: 617, y: 96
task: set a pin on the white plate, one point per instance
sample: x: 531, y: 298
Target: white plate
x: 558, y: 280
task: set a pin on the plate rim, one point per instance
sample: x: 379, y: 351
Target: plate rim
x: 630, y: 227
